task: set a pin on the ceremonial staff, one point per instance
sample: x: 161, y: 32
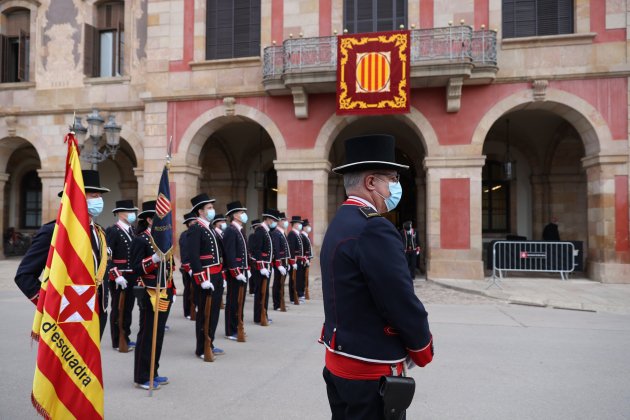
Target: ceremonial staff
x: 240, y: 329
x: 283, y: 307
x: 296, y: 300
x: 207, y: 343
x: 122, y: 338
x: 263, y: 311
x: 307, y: 295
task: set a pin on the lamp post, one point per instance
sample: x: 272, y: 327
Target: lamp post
x: 91, y: 150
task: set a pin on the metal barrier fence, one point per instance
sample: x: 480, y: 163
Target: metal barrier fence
x: 541, y: 256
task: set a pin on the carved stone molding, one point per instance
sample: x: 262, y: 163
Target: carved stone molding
x: 539, y: 88
x: 229, y: 102
x: 300, y: 102
x: 454, y: 94
x: 11, y: 121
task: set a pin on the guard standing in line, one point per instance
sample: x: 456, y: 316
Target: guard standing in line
x: 308, y: 254
x: 145, y: 262
x: 252, y: 260
x: 296, y: 260
x: 281, y: 258
x: 188, y: 298
x: 412, y: 249
x: 219, y: 224
x: 373, y: 320
x: 206, y: 262
x: 34, y: 262
x: 236, y: 259
x: 262, y: 250
x: 119, y: 237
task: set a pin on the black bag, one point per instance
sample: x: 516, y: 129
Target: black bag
x: 397, y: 393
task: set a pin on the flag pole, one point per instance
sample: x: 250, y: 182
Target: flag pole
x: 162, y: 271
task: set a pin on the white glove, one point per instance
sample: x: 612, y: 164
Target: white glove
x: 224, y: 284
x: 121, y: 281
x: 249, y: 274
x: 282, y: 270
x: 155, y: 258
x: 307, y: 262
x: 241, y: 277
x: 207, y: 285
x: 190, y: 273
x: 265, y: 272
x: 294, y: 266
x: 174, y: 298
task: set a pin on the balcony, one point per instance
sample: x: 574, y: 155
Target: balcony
x: 452, y: 57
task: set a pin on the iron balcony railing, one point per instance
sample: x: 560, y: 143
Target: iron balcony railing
x: 452, y: 43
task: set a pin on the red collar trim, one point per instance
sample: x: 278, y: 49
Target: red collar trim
x: 353, y: 202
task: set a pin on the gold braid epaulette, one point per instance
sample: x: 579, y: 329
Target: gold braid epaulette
x: 102, y: 265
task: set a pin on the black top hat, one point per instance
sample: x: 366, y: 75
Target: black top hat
x: 272, y: 213
x: 282, y: 215
x: 234, y: 206
x: 124, y: 205
x: 305, y: 222
x: 376, y: 151
x: 148, y: 209
x: 255, y: 222
x: 199, y: 201
x: 91, y: 182
x: 218, y: 218
x: 296, y: 219
x: 189, y: 217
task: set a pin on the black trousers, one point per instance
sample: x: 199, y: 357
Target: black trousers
x: 127, y: 312
x: 231, y: 305
x: 412, y: 258
x: 102, y: 308
x: 142, y: 356
x: 299, y: 281
x: 187, y: 298
x: 215, y: 310
x: 353, y: 399
x: 277, y: 284
x: 259, y: 279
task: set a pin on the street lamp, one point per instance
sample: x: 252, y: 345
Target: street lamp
x: 95, y: 129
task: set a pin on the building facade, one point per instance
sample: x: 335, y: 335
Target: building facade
x: 246, y: 90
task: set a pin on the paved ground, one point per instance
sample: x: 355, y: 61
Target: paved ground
x: 493, y: 361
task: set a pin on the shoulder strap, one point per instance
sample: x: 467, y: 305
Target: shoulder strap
x: 369, y: 212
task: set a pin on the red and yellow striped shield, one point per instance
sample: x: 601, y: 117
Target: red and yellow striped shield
x: 373, y: 71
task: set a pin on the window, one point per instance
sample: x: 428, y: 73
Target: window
x: 495, y: 199
x: 374, y: 15
x: 523, y: 18
x: 105, y: 42
x: 232, y: 29
x: 15, y: 46
x: 31, y: 201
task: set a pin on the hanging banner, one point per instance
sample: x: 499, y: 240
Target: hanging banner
x: 373, y: 73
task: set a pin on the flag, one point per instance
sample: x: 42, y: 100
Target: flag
x: 68, y: 380
x: 162, y: 228
x: 373, y: 73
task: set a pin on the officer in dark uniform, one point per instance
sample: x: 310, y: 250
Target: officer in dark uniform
x: 189, y: 304
x: 281, y: 257
x: 373, y: 319
x: 219, y: 223
x: 252, y: 260
x: 296, y: 260
x: 262, y: 252
x: 411, y: 246
x: 308, y: 252
x: 34, y: 262
x: 121, y: 275
x: 206, y: 262
x: 236, y: 260
x: 146, y: 262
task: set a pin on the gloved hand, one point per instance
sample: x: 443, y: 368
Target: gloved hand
x: 190, y: 273
x: 282, y: 270
x: 294, y: 266
x: 155, y: 258
x: 241, y: 277
x: 249, y: 274
x: 224, y: 284
x: 307, y: 262
x: 174, y: 298
x: 265, y: 272
x: 207, y: 285
x: 121, y: 282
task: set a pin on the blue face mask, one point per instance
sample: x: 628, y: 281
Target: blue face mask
x: 285, y: 224
x: 244, y: 217
x: 298, y: 226
x: 273, y: 225
x: 131, y: 217
x: 95, y: 206
x: 223, y: 226
x: 210, y: 214
x: 395, y: 194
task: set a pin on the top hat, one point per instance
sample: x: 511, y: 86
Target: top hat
x: 255, y: 222
x: 218, y: 218
x: 234, y: 206
x: 282, y: 215
x: 148, y: 209
x: 124, y: 205
x: 376, y: 151
x: 296, y: 219
x: 305, y: 222
x: 91, y: 182
x: 272, y: 213
x: 199, y: 200
x: 189, y: 217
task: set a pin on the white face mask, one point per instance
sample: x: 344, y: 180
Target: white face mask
x: 307, y: 229
x: 285, y: 224
x: 223, y: 226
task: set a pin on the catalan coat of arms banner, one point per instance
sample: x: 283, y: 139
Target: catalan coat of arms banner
x: 373, y: 73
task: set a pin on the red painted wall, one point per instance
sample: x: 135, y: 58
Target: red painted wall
x: 300, y: 199
x: 482, y: 14
x: 598, y: 24
x: 622, y: 228
x: 277, y: 21
x: 426, y: 14
x: 189, y: 35
x: 325, y: 17
x: 455, y: 213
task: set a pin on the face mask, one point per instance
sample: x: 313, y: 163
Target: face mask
x: 131, y: 217
x: 273, y: 225
x: 244, y: 217
x: 210, y: 213
x: 307, y: 229
x: 285, y: 224
x: 395, y: 194
x: 223, y: 225
x: 95, y: 206
x: 298, y: 226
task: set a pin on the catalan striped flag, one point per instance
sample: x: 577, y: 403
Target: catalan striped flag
x: 68, y: 382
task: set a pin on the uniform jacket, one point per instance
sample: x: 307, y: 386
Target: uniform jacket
x: 280, y: 247
x: 261, y: 247
x: 410, y: 240
x: 183, y: 250
x: 142, y: 263
x: 306, y: 242
x: 296, y: 247
x: 34, y: 262
x: 119, y: 243
x: 371, y: 311
x: 204, y: 252
x: 236, y: 254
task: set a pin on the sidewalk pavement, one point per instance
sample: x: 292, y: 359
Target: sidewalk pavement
x: 574, y: 294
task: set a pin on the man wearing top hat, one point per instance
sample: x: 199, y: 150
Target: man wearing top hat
x: 308, y: 251
x: 219, y: 223
x: 364, y: 272
x: 281, y: 258
x: 262, y: 250
x: 236, y: 261
x: 296, y: 259
x: 34, y: 261
x: 146, y: 262
x: 206, y: 262
x: 252, y: 261
x: 189, y: 304
x: 121, y: 275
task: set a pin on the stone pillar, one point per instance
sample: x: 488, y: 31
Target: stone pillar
x: 4, y: 177
x: 52, y: 183
x: 607, y: 262
x: 454, y: 248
